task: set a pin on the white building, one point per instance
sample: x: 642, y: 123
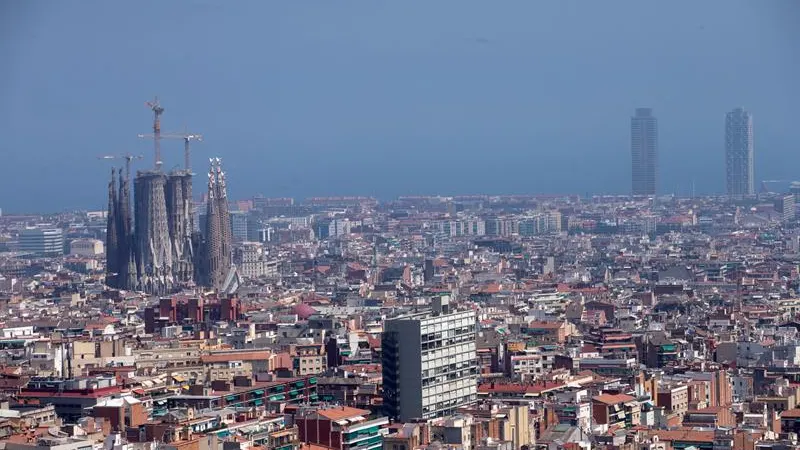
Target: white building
x: 86, y: 247
x: 18, y: 332
x: 429, y: 363
x: 253, y: 262
x: 42, y: 241
x: 9, y: 284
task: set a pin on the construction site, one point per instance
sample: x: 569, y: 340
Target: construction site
x: 154, y: 246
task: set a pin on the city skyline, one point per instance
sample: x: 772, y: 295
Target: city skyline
x: 644, y: 155
x: 644, y: 163
x: 527, y: 98
x: 452, y: 224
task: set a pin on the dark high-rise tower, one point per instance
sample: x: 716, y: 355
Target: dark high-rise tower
x: 216, y: 259
x: 126, y: 278
x: 644, y: 152
x: 739, y: 153
x: 153, y: 246
x: 112, y: 231
x: 157, y: 256
x: 179, y: 220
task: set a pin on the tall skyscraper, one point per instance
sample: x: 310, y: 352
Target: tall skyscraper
x: 739, y: 153
x: 644, y: 152
x: 429, y: 363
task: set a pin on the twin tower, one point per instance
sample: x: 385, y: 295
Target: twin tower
x: 157, y: 250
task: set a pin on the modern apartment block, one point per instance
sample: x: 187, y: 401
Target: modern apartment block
x: 42, y: 241
x: 429, y: 362
x: 644, y: 152
x: 253, y: 262
x: 739, y: 169
x: 239, y: 223
x: 341, y: 428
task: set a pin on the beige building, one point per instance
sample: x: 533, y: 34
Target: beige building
x: 674, y: 397
x: 86, y: 247
x: 310, y: 359
x: 514, y: 425
x: 99, y: 353
x: 252, y: 262
x: 226, y: 365
x: 183, y: 361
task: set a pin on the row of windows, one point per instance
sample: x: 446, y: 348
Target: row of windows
x: 448, y: 352
x: 448, y: 333
x: 470, y: 337
x: 443, y: 369
x: 464, y: 387
x: 450, y: 403
x: 450, y: 377
x: 447, y: 322
x: 434, y: 359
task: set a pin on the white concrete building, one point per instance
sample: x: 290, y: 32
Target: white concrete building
x: 253, y: 262
x: 42, y: 241
x: 429, y: 363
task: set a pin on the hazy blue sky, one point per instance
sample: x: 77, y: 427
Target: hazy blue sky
x: 383, y: 98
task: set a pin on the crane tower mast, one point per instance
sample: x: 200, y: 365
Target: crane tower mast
x: 157, y: 109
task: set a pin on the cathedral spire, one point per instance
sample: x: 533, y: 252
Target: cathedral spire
x: 112, y: 234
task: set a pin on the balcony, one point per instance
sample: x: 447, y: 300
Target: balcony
x: 374, y: 442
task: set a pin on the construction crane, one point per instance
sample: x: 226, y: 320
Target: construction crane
x: 187, y: 139
x: 127, y: 157
x: 764, y: 184
x: 157, y: 109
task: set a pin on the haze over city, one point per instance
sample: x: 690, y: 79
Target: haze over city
x: 447, y: 225
x: 393, y: 98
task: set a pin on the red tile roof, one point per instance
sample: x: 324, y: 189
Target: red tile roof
x: 342, y: 412
x: 791, y: 413
x: 613, y: 399
x: 236, y: 356
x: 684, y: 435
x: 546, y: 325
x: 519, y: 388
